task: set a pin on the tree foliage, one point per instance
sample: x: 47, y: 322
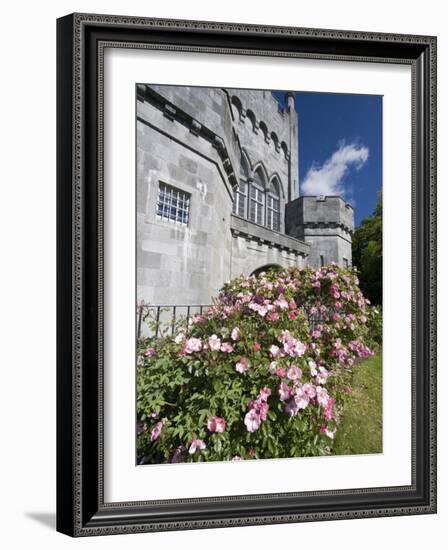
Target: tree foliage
x: 368, y: 254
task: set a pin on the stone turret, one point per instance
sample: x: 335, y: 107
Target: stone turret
x: 326, y: 224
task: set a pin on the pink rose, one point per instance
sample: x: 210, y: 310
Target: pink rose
x: 195, y: 445
x: 192, y: 345
x: 216, y: 424
x: 252, y: 420
x: 226, y: 347
x: 150, y: 352
x: 281, y: 372
x: 214, y: 343
x: 155, y: 432
x: 242, y: 365
x: 235, y: 335
x: 284, y: 391
x: 265, y: 393
x: 294, y: 373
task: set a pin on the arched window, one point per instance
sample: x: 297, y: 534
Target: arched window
x: 285, y: 149
x: 275, y: 141
x: 273, y: 206
x: 240, y: 194
x: 257, y: 198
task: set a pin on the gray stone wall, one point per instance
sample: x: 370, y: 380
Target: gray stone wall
x: 178, y: 264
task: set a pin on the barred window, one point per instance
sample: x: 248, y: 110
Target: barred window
x: 273, y: 207
x: 173, y: 204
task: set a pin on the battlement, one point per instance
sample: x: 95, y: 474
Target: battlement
x: 320, y: 212
x: 326, y: 224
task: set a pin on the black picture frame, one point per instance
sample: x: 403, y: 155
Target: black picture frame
x: 81, y: 510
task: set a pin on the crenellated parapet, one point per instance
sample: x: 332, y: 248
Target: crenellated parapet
x: 326, y: 224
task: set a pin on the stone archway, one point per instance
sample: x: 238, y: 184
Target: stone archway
x: 267, y: 267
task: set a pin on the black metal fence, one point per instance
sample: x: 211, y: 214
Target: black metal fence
x: 162, y: 320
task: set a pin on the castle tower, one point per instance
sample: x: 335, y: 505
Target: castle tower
x: 326, y: 224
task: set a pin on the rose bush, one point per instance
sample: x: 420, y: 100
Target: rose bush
x: 261, y: 374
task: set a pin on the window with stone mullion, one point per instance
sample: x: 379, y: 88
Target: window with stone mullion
x: 256, y: 204
x: 240, y: 199
x: 273, y: 213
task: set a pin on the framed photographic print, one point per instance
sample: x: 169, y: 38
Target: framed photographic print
x: 246, y: 274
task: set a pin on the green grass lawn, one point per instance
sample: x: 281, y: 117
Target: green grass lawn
x: 360, y: 431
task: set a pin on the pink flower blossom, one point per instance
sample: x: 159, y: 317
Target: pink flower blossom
x: 310, y: 390
x: 264, y: 394
x: 281, y: 372
x: 252, y: 420
x: 235, y: 334
x: 273, y: 316
x: 281, y: 302
x: 291, y: 346
x: 284, y: 391
x: 256, y: 346
x: 242, y: 365
x: 301, y: 398
x: 274, y: 351
x: 336, y: 317
x: 214, y: 343
x: 216, y: 424
x: 328, y: 409
x: 192, y: 345
x: 196, y: 444
x: 273, y: 367
x: 322, y: 375
x: 226, y: 347
x: 294, y: 373
x: 155, y: 432
x: 322, y: 396
x: 313, y: 367
x: 150, y: 352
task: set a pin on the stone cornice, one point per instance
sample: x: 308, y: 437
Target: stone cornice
x: 241, y: 227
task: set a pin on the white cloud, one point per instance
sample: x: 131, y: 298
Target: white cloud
x: 328, y: 178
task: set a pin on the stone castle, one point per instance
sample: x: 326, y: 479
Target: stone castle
x: 218, y: 193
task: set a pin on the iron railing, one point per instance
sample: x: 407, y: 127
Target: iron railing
x: 164, y: 318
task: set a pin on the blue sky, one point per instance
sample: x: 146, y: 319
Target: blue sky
x: 340, y: 147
